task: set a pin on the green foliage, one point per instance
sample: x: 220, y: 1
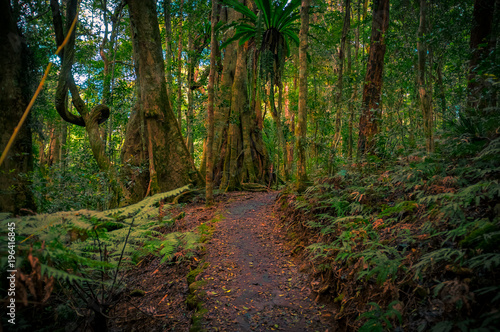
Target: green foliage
x: 272, y: 16
x: 378, y: 319
x: 438, y: 256
x: 382, y: 264
x: 86, y: 250
x: 173, y: 242
x: 397, y: 230
x: 272, y: 30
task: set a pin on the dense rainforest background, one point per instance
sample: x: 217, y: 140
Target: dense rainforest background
x: 378, y: 121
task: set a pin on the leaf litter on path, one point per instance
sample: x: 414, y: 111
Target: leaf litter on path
x: 251, y: 282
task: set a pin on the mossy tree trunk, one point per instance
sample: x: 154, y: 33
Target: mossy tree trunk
x: 239, y: 152
x: 153, y: 136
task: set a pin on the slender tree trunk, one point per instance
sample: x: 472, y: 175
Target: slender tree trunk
x: 289, y: 125
x: 153, y: 135
x: 167, y: 7
x: 276, y: 114
x: 90, y: 119
x: 55, y: 143
x: 340, y: 86
x: 442, y: 95
x: 14, y: 86
x: 106, y: 91
x: 301, y: 130
x: 179, y: 68
x: 354, y: 94
x: 209, y: 179
x: 368, y: 122
x: 190, y: 83
x: 423, y: 85
x: 105, y: 50
x: 281, y: 133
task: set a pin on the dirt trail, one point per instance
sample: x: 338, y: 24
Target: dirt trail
x: 252, y: 282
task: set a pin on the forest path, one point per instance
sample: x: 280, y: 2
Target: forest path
x: 251, y: 282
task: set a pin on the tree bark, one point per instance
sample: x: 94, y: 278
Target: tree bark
x: 354, y: 94
x: 301, y: 129
x: 190, y: 82
x: 223, y: 100
x: 209, y: 179
x: 276, y: 115
x: 14, y: 84
x: 424, y: 90
x: 340, y: 85
x: 368, y: 122
x: 153, y: 135
x: 236, y: 121
x: 239, y: 101
x: 179, y: 69
x: 167, y: 6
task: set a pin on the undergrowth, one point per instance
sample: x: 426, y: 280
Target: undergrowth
x: 410, y: 245
x: 71, y: 265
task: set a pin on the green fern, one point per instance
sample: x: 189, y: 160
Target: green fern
x: 437, y: 256
x: 383, y: 262
x: 378, y: 319
x: 485, y: 261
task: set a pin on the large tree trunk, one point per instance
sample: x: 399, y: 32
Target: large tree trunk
x: 14, y: 97
x: 153, y: 135
x: 239, y: 152
x: 424, y: 87
x: 301, y: 130
x: 368, y: 122
x: 223, y: 99
x: 239, y: 101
